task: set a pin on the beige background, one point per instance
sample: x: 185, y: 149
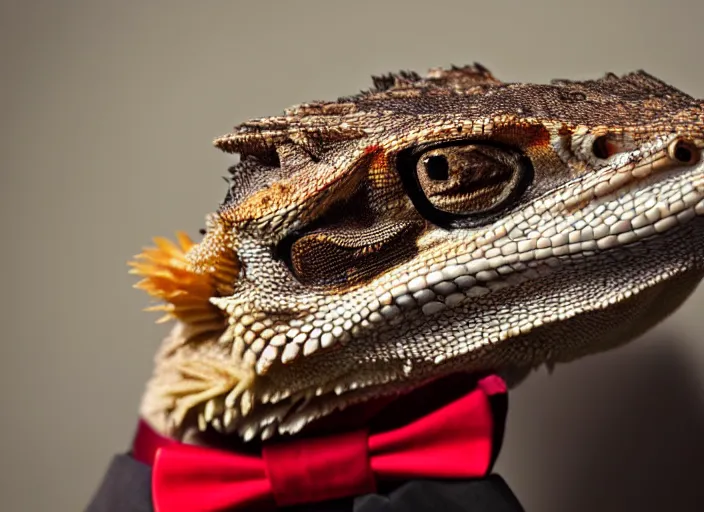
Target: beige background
x: 108, y: 111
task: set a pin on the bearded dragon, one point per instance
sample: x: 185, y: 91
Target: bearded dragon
x: 424, y: 228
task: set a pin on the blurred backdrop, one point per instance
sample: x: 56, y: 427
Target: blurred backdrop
x: 108, y: 112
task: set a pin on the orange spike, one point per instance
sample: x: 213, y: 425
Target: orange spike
x: 170, y: 277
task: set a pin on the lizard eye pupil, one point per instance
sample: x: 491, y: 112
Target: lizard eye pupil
x: 437, y: 168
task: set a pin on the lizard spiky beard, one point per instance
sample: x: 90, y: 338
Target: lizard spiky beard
x: 428, y: 227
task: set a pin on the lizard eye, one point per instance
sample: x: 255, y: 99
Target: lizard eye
x: 470, y: 179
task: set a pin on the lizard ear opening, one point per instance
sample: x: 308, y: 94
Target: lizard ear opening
x: 351, y: 254
x: 348, y: 245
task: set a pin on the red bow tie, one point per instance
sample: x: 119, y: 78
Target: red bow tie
x: 454, y: 441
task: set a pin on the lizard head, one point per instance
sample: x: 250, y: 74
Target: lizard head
x: 427, y: 227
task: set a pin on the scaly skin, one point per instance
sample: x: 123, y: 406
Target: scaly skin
x: 341, y: 267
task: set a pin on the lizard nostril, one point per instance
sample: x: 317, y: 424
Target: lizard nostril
x: 684, y: 152
x: 603, y: 148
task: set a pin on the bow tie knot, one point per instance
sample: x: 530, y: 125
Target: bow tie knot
x: 309, y: 478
